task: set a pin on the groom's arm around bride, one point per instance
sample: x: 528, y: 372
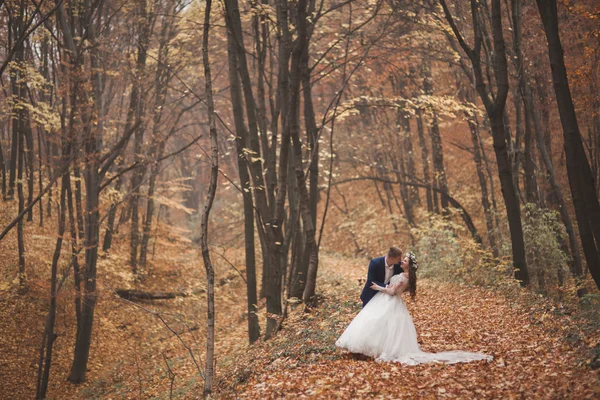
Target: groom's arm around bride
x: 377, y: 272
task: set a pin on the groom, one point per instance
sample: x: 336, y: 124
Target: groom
x: 381, y: 269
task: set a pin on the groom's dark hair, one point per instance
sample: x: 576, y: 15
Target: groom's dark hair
x: 394, y: 252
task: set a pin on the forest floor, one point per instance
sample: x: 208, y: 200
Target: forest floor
x: 539, y: 350
x: 144, y: 350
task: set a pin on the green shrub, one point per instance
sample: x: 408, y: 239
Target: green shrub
x: 446, y: 251
x: 544, y: 236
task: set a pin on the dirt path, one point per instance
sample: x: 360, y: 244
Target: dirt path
x: 536, y: 354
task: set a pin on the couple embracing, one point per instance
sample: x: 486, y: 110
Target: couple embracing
x: 384, y: 328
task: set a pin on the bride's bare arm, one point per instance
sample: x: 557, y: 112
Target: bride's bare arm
x: 390, y: 289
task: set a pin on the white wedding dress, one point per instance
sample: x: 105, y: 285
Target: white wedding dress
x: 384, y: 330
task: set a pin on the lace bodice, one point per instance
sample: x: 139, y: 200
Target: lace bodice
x: 398, y: 278
x: 398, y: 284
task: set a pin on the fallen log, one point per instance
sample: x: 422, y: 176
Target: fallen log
x: 128, y: 294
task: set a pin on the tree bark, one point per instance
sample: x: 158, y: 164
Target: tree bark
x: 303, y: 195
x: 138, y: 173
x: 158, y: 144
x: 3, y: 171
x: 478, y: 158
x: 209, y: 371
x: 20, y: 234
x: 425, y: 160
x: 92, y: 140
x: 436, y: 140
x: 495, y: 110
x: 49, y: 334
x: 581, y: 180
x: 269, y: 230
x: 241, y: 138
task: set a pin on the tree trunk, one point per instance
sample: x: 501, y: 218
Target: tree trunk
x: 209, y: 371
x: 74, y: 252
x: 294, y: 121
x: 531, y: 186
x: 485, y: 202
x: 3, y: 171
x: 16, y: 79
x: 269, y: 230
x: 78, y: 196
x: 138, y: 173
x: 49, y: 334
x: 425, y: 160
x: 581, y: 181
x: 112, y: 213
x: 20, y: 235
x: 40, y: 175
x: 436, y: 141
x: 496, y: 110
x: 29, y: 153
x: 490, y: 176
x: 92, y: 141
x: 241, y: 137
x: 311, y: 135
x: 158, y: 145
x: 576, y: 265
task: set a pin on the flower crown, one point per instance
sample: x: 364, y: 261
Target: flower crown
x: 413, y: 259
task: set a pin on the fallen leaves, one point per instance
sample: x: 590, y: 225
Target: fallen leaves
x: 531, y: 361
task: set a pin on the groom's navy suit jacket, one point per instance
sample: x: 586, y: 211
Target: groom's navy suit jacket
x: 376, y: 275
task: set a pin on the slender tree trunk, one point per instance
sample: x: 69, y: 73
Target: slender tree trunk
x: 241, y: 137
x: 49, y: 334
x: 40, y: 175
x: 269, y: 230
x: 531, y: 186
x: 15, y: 84
x: 20, y: 235
x: 485, y: 202
x: 294, y: 121
x: 78, y: 194
x: 496, y: 111
x: 3, y: 171
x: 401, y: 175
x: 74, y: 253
x: 158, y: 145
x: 425, y: 160
x: 112, y: 213
x: 490, y: 177
x: 436, y: 141
x: 261, y: 32
x: 138, y: 174
x: 29, y: 153
x: 92, y: 142
x: 576, y: 265
x: 311, y: 135
x: 212, y: 189
x: 514, y: 149
x: 75, y: 108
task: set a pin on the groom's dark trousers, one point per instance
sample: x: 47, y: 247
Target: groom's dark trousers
x: 376, y: 275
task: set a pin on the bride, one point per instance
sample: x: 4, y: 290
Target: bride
x: 384, y: 328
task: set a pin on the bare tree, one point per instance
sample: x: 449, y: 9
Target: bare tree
x: 214, y: 171
x: 581, y: 180
x: 495, y: 107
